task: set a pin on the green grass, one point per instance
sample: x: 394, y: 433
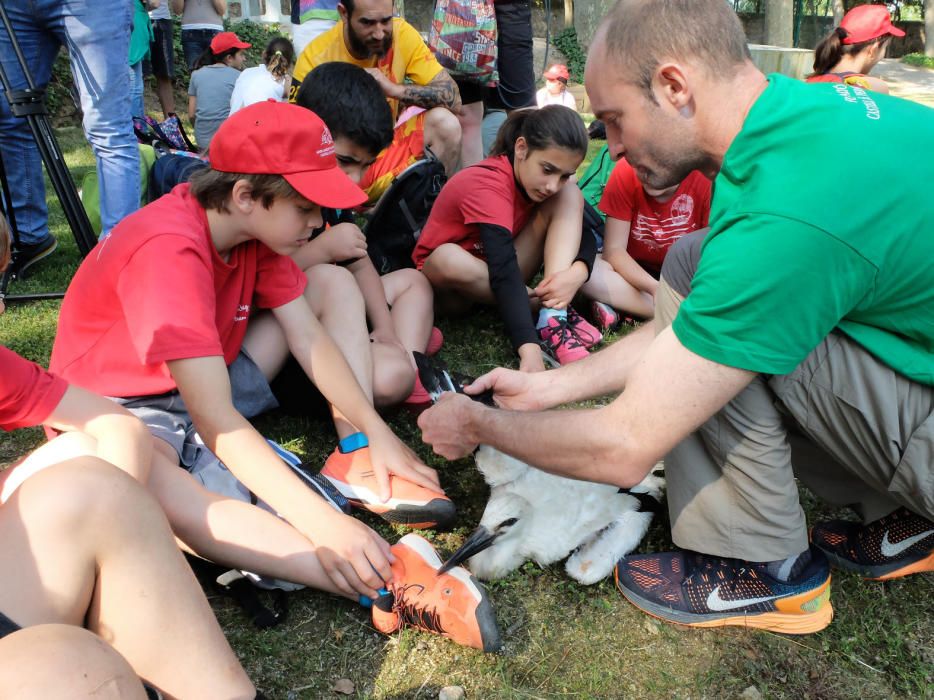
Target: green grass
x: 563, y: 640
x: 919, y: 59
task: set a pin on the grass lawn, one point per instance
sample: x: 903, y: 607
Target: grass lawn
x: 563, y: 640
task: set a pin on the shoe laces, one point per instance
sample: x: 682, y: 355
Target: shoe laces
x: 716, y: 569
x: 410, y: 613
x: 563, y: 333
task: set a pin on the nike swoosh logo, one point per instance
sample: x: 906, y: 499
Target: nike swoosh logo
x: 890, y: 549
x: 718, y: 604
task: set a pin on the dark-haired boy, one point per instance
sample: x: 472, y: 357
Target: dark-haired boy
x: 399, y: 305
x: 161, y: 314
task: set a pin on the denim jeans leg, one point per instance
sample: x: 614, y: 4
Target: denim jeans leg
x: 17, y: 148
x: 137, y: 106
x: 98, y: 36
x: 195, y: 42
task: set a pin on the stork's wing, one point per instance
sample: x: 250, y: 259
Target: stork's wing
x: 437, y: 379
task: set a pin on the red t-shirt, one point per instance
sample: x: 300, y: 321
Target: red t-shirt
x: 654, y: 225
x: 156, y: 290
x: 28, y: 394
x: 484, y: 193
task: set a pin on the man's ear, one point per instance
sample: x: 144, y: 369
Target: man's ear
x: 241, y: 197
x: 342, y: 12
x: 672, y: 86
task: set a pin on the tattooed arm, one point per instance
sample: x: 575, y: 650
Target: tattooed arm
x: 440, y: 92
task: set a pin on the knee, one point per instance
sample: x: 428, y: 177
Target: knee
x: 45, y: 660
x: 331, y: 283
x: 415, y: 282
x: 681, y: 261
x: 442, y: 125
x: 393, y: 379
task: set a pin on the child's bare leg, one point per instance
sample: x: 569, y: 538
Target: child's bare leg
x: 336, y: 301
x: 451, y: 269
x: 393, y: 374
x: 61, y: 662
x: 608, y: 286
x: 234, y: 533
x: 409, y: 294
x: 89, y: 546
x: 564, y: 213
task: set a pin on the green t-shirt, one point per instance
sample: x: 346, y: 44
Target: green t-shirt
x: 822, y: 218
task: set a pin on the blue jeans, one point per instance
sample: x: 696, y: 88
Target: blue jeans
x: 195, y: 42
x: 97, y: 36
x: 137, y: 106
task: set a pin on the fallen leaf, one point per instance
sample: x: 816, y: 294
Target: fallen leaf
x: 344, y: 686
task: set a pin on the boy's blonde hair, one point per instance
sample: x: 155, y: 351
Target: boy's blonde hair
x: 212, y: 188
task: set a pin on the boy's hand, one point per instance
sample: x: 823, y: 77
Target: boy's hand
x: 557, y: 290
x: 389, y: 455
x: 353, y: 556
x: 345, y: 242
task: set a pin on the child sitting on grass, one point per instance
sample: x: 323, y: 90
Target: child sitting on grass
x: 399, y: 304
x: 268, y: 81
x: 641, y: 225
x: 77, y: 536
x: 495, y: 223
x: 212, y: 83
x: 165, y: 315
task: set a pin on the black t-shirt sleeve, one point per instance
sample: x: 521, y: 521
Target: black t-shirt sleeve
x: 507, y: 284
x: 587, y: 253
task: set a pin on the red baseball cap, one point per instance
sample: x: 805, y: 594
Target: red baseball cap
x: 225, y: 41
x: 556, y: 72
x: 276, y: 138
x: 868, y: 22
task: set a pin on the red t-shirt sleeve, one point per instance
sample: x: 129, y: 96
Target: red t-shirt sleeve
x: 177, y: 322
x: 28, y: 393
x: 488, y: 202
x: 621, y: 196
x: 278, y: 279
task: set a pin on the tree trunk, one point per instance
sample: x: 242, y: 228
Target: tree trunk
x: 779, y: 22
x: 568, y: 13
x: 838, y: 11
x: 929, y: 28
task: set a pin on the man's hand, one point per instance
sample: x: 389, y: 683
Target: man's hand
x: 354, y: 557
x: 445, y: 426
x: 517, y: 391
x: 345, y: 242
x: 389, y: 88
x: 389, y: 455
x: 557, y: 290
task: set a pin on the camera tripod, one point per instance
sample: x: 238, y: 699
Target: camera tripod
x: 30, y: 104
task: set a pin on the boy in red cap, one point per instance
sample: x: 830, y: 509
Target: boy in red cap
x: 850, y: 51
x: 555, y: 91
x: 166, y: 315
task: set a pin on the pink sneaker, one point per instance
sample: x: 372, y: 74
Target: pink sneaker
x: 606, y: 317
x: 419, y: 398
x: 560, y: 340
x: 589, y: 335
x: 435, y: 341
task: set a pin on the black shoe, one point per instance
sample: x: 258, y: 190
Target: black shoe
x: 899, y: 544
x: 28, y: 254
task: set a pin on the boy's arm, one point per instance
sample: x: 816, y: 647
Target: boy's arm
x: 121, y: 438
x: 614, y: 252
x: 328, y: 370
x: 374, y: 298
x: 348, y: 550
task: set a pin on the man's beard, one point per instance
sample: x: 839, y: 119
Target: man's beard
x: 358, y: 47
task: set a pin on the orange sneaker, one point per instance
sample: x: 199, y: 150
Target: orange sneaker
x: 409, y: 504
x: 453, y: 604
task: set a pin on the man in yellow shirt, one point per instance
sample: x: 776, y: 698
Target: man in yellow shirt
x: 393, y: 52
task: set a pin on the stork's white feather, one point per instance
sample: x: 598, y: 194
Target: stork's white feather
x: 554, y: 516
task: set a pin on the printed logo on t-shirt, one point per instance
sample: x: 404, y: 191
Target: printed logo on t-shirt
x: 681, y: 209
x: 327, y: 144
x: 243, y: 313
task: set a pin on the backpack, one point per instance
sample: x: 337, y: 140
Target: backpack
x: 170, y: 170
x: 399, y: 216
x: 170, y: 134
x: 593, y: 181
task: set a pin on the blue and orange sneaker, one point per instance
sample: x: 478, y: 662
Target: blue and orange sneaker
x: 897, y: 545
x: 699, y: 590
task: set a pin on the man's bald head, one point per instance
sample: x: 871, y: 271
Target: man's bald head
x: 638, y: 35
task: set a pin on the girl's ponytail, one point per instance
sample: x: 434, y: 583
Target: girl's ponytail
x: 279, y: 57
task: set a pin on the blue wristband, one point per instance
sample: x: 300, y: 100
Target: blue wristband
x: 353, y: 442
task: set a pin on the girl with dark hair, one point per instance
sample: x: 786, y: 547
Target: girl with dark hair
x: 850, y: 51
x: 212, y: 83
x: 495, y: 223
x: 269, y: 81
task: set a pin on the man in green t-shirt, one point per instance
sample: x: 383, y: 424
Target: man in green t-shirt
x: 804, y: 345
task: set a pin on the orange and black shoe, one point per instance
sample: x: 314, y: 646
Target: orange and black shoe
x: 897, y: 545
x: 700, y: 590
x: 452, y: 604
x: 349, y: 470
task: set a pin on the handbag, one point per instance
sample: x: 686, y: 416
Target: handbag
x: 463, y: 38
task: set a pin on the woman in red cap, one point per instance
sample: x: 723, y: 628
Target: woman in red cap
x: 212, y: 84
x: 850, y: 51
x: 555, y: 91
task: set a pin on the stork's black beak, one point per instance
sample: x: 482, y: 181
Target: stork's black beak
x: 479, y: 539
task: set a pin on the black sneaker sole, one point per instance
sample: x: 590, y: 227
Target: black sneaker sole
x: 23, y: 266
x: 882, y: 572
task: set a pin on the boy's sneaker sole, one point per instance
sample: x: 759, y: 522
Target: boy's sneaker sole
x: 817, y: 601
